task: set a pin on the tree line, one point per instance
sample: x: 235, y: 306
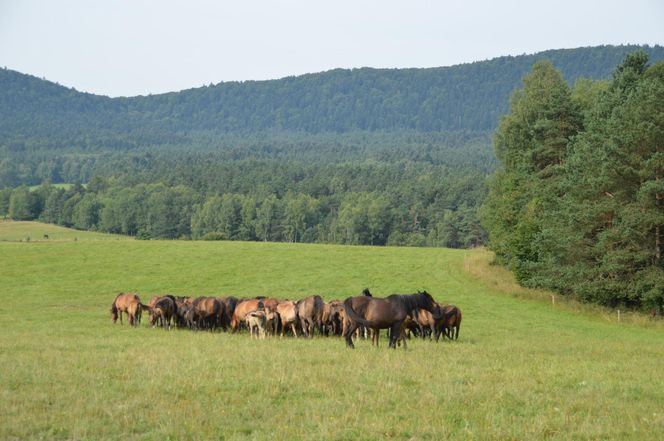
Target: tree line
x: 160, y: 211
x: 576, y: 204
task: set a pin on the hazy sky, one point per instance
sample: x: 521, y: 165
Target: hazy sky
x: 139, y: 47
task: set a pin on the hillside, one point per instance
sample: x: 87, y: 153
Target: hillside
x: 468, y: 97
x: 521, y: 369
x: 362, y: 156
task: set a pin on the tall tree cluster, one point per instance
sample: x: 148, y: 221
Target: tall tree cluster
x: 576, y: 204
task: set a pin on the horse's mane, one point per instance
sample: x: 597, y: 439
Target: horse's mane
x: 412, y: 302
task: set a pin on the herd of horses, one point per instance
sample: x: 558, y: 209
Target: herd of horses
x: 359, y: 316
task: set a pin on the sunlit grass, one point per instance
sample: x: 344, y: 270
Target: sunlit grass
x: 30, y: 231
x: 521, y: 369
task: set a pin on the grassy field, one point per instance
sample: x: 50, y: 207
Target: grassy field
x: 521, y: 369
x: 30, y: 231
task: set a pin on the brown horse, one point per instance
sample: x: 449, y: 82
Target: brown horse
x: 209, y: 311
x: 388, y: 313
x: 332, y: 317
x: 287, y: 311
x: 120, y: 305
x: 134, y: 310
x: 228, y: 304
x: 310, y: 312
x: 243, y: 308
x: 163, y: 310
x: 425, y: 322
x: 450, y: 323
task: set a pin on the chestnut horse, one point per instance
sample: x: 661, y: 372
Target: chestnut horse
x: 243, y: 308
x: 287, y: 311
x: 121, y: 304
x: 388, y: 313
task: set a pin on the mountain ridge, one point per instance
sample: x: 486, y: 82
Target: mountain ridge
x: 469, y: 96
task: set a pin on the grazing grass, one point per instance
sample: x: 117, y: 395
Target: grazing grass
x: 521, y: 369
x: 30, y: 231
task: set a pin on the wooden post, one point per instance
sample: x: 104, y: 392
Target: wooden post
x: 553, y: 300
x: 618, y: 315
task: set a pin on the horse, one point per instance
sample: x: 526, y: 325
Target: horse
x: 210, y: 312
x: 134, y: 310
x: 425, y: 322
x: 332, y: 318
x: 287, y: 311
x: 310, y: 311
x: 256, y: 323
x: 120, y: 304
x: 450, y: 323
x: 163, y: 310
x: 243, y: 308
x: 228, y: 304
x: 388, y: 313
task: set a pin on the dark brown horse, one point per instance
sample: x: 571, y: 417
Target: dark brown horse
x: 388, y: 313
x: 450, y: 322
x: 163, y: 310
x: 229, y: 304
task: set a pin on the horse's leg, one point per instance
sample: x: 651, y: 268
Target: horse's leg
x: 294, y: 329
x: 395, y: 330
x: 311, y: 325
x: 350, y: 330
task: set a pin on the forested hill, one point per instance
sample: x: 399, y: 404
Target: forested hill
x: 468, y: 97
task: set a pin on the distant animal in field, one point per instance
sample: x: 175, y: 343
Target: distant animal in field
x: 121, y: 304
x: 209, y: 311
x: 332, y: 317
x: 243, y: 308
x: 134, y: 312
x: 310, y: 312
x: 450, y: 323
x: 256, y: 323
x: 190, y: 316
x: 271, y: 322
x: 425, y: 322
x: 287, y: 311
x: 388, y: 313
x: 163, y: 311
x: 229, y: 304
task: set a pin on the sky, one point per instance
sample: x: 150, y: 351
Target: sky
x: 137, y: 47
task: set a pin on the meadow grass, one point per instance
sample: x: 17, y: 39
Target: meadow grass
x: 521, y: 369
x: 31, y: 231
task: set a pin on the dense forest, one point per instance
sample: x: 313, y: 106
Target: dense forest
x: 361, y: 156
x: 576, y: 205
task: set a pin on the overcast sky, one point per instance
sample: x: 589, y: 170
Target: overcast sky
x: 139, y: 47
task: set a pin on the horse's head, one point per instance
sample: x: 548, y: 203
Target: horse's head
x: 429, y: 304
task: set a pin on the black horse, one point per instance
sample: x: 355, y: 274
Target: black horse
x: 389, y: 313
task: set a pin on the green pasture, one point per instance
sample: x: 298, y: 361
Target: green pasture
x: 30, y: 231
x: 521, y: 369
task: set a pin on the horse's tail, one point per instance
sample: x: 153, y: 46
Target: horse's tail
x: 114, y: 308
x: 350, y: 312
